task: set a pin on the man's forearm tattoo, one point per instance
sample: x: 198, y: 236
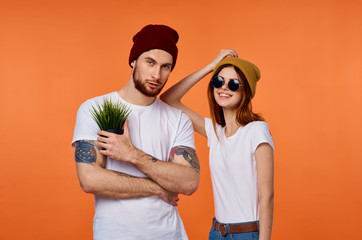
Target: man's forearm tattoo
x: 153, y: 159
x: 85, y: 151
x: 189, y: 154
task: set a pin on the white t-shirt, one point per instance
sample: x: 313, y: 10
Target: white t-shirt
x: 233, y: 170
x: 154, y: 129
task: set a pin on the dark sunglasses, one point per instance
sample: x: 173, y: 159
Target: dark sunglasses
x: 218, y: 82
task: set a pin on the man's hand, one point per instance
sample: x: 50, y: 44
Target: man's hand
x: 115, y: 146
x: 169, y: 197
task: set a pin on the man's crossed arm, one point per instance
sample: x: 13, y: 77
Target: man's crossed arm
x: 179, y: 174
x: 94, y: 179
x: 166, y: 179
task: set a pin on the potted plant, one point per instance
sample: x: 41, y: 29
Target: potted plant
x: 110, y: 116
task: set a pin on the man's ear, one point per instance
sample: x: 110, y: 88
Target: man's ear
x: 133, y: 63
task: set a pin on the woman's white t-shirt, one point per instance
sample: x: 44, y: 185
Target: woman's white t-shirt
x: 233, y: 170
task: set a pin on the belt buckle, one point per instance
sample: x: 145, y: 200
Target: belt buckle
x: 223, y: 229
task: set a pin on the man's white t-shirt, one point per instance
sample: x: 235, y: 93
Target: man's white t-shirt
x: 233, y: 170
x: 155, y: 129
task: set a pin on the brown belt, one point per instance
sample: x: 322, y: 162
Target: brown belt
x: 236, y: 228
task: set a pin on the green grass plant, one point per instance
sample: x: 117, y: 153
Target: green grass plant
x: 110, y: 115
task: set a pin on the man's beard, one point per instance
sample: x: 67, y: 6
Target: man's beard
x: 142, y: 87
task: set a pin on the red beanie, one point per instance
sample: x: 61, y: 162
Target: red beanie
x: 154, y: 37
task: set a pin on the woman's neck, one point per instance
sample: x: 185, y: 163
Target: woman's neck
x: 231, y: 126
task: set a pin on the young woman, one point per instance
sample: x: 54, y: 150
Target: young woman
x: 241, y: 147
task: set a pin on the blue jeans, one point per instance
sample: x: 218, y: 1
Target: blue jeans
x: 216, y: 235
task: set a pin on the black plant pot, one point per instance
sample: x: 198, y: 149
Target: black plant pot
x: 116, y: 131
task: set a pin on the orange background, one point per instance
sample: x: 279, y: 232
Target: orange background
x: 56, y: 54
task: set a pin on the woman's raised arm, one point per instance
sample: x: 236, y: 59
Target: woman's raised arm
x: 174, y: 94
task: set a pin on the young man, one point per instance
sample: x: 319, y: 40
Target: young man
x: 136, y: 177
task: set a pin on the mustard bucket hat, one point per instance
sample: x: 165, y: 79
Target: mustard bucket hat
x: 250, y: 71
